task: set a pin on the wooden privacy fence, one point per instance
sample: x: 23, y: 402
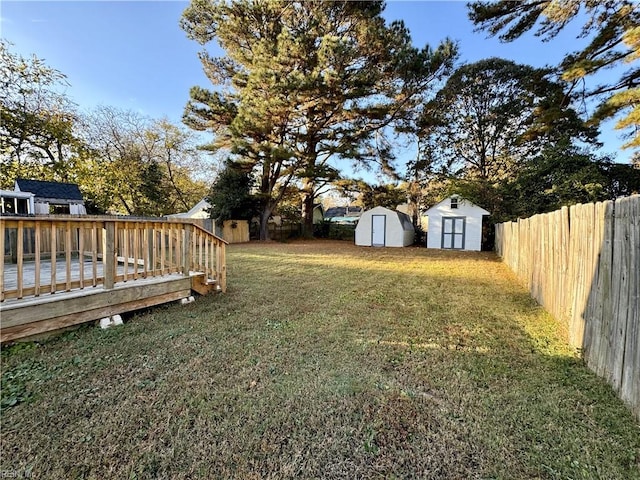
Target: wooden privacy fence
x: 235, y: 231
x: 64, y: 254
x: 583, y: 265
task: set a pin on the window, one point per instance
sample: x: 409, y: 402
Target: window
x: 14, y: 206
x: 454, y: 202
x: 8, y: 206
x: 59, y: 209
x: 23, y: 206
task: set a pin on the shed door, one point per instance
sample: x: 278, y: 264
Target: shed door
x: 378, y: 224
x: 453, y: 232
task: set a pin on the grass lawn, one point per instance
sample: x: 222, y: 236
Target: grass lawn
x: 323, y: 360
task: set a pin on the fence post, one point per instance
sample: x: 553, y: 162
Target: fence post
x: 186, y: 250
x: 109, y: 255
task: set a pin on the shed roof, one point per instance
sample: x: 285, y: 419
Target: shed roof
x: 42, y: 189
x: 405, y: 220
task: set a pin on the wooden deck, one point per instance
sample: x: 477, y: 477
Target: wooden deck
x: 46, y: 282
x: 29, y: 273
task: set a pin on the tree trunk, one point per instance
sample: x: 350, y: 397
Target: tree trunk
x: 307, y: 209
x: 309, y: 184
x: 264, y: 223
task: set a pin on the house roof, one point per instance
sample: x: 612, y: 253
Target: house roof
x: 341, y: 211
x: 198, y: 211
x: 461, y: 199
x: 53, y: 190
x: 201, y: 206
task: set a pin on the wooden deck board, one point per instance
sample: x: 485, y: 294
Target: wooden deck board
x: 29, y: 273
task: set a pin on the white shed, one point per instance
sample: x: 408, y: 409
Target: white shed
x: 455, y: 223
x: 381, y: 227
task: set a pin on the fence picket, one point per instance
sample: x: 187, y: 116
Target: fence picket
x: 630, y: 384
x: 582, y: 264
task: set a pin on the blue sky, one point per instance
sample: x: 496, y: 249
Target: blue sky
x: 134, y: 55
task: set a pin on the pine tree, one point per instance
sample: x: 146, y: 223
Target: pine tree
x: 303, y: 83
x: 613, y: 29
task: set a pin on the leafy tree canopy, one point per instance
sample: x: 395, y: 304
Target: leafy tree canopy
x: 613, y: 31
x: 231, y: 196
x: 122, y: 161
x: 370, y: 196
x: 564, y: 175
x: 493, y: 115
x: 36, y: 121
x: 560, y: 175
x: 142, y: 166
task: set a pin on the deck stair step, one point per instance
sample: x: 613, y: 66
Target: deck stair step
x: 203, y: 285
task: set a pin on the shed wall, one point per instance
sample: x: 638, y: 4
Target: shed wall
x: 473, y: 226
x: 395, y: 234
x: 363, y: 231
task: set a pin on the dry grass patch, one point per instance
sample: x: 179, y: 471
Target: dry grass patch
x: 323, y: 360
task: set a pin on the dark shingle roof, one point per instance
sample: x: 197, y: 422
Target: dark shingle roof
x: 341, y: 211
x: 405, y: 220
x: 63, y: 191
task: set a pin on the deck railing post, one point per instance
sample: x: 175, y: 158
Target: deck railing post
x: 109, y: 255
x: 13, y: 245
x: 150, y: 248
x: 186, y: 249
x: 2, y: 233
x: 221, y: 266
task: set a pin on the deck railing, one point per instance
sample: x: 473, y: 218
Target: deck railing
x: 44, y: 255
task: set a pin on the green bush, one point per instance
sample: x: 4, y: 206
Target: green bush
x: 342, y: 232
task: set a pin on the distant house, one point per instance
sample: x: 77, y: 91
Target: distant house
x: 16, y: 203
x: 233, y: 231
x: 48, y: 197
x: 200, y: 210
x: 347, y: 211
x: 318, y: 214
x: 343, y: 215
x: 455, y: 223
x: 200, y: 214
x: 382, y: 227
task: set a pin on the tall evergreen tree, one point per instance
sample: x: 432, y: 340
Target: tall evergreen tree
x: 305, y: 82
x: 231, y: 195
